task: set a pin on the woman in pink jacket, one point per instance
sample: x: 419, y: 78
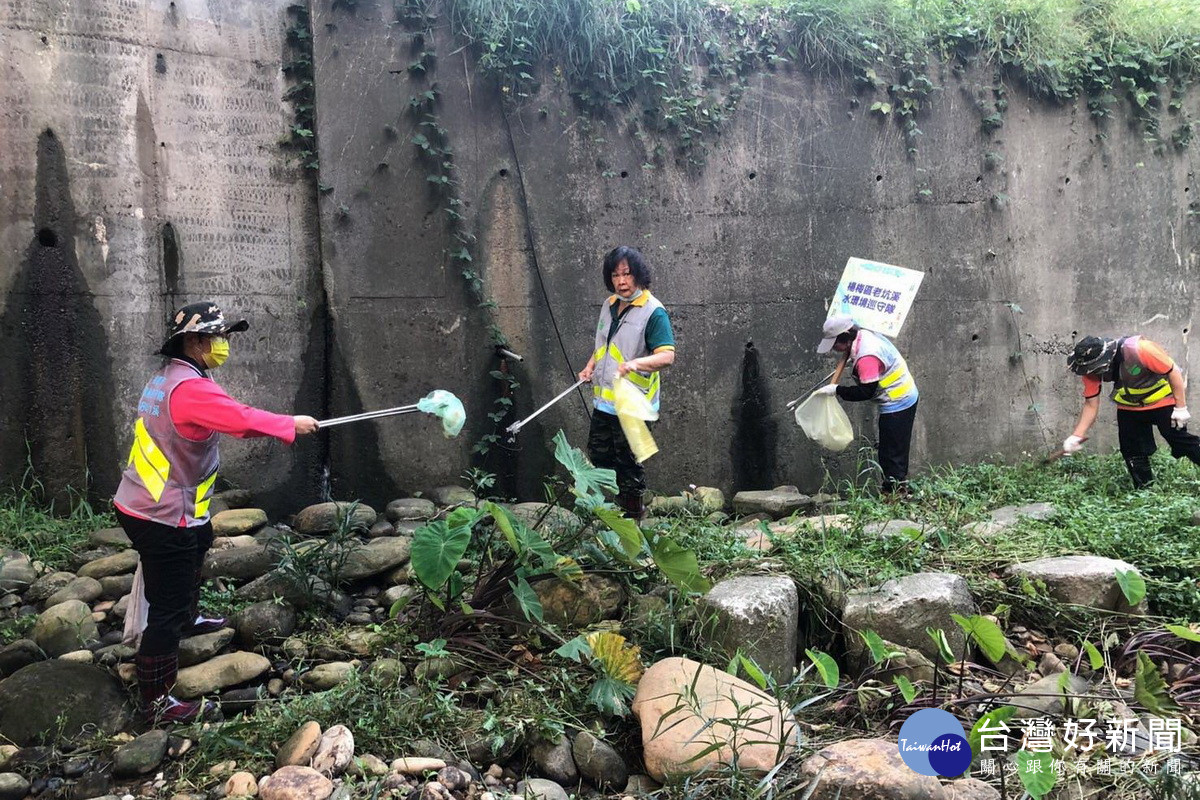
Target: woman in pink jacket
x: 163, y: 499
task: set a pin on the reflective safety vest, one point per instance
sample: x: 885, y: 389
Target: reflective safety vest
x: 897, y: 389
x: 1137, y: 386
x: 169, y: 477
x: 626, y: 343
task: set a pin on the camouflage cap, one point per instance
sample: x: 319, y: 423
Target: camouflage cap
x: 202, y: 317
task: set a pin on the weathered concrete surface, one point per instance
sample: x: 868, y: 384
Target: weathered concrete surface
x: 1084, y: 234
x: 141, y: 170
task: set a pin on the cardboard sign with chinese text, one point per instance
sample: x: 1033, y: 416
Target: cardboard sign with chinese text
x: 877, y: 296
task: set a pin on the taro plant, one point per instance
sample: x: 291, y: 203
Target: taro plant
x: 617, y: 664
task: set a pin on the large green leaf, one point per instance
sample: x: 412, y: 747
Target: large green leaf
x: 985, y: 633
x: 906, y: 688
x: 880, y: 652
x: 1094, y: 656
x: 1133, y: 586
x: 438, y: 546
x: 527, y: 599
x: 611, y: 695
x: 590, y: 482
x: 679, y: 565
x: 826, y: 666
x: 1036, y: 771
x: 1150, y: 689
x: 627, y: 531
x: 1185, y: 632
x: 993, y: 720
x: 576, y: 649
x: 505, y: 521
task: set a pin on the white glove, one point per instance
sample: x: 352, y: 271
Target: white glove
x: 829, y: 388
x: 1072, y: 444
x: 1180, y: 417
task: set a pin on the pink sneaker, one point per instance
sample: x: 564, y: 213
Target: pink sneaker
x: 171, y: 710
x: 204, y: 624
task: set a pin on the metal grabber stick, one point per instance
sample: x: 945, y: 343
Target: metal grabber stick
x: 832, y: 377
x: 515, y: 428
x: 387, y: 412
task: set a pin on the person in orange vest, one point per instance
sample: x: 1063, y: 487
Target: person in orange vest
x: 1149, y: 391
x: 163, y: 499
x: 634, y: 340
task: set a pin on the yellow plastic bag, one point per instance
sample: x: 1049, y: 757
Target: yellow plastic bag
x: 633, y: 412
x: 823, y: 420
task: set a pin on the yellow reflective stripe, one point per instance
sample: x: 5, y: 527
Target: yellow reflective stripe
x: 1141, y: 397
x: 888, y: 380
x: 204, y: 496
x: 604, y: 394
x: 599, y: 354
x: 642, y: 382
x: 151, y: 465
x: 896, y: 392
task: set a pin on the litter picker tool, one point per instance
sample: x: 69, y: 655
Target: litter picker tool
x: 832, y: 377
x: 440, y: 403
x: 1060, y: 453
x: 515, y: 428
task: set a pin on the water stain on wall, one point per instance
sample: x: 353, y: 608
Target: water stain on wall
x: 57, y: 381
x: 753, y: 447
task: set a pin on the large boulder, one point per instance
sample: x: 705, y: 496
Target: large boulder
x: 265, y: 622
x: 17, y: 572
x: 240, y: 563
x: 237, y: 521
x: 900, y: 610
x: 758, y: 615
x: 18, y: 654
x: 582, y: 602
x: 867, y: 769
x: 116, y: 564
x: 60, y: 696
x: 410, y: 509
x: 687, y: 708
x: 198, y: 649
x: 779, y: 502
x: 219, y: 673
x: 1080, y: 580
x: 65, y: 627
x: 325, y: 518
x: 378, y: 556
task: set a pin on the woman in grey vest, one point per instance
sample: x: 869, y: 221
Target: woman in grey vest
x: 634, y: 340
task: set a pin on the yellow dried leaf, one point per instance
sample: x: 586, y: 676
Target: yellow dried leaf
x: 618, y: 659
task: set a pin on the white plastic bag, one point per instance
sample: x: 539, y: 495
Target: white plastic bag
x: 633, y: 412
x: 137, y: 610
x: 446, y: 407
x: 823, y: 420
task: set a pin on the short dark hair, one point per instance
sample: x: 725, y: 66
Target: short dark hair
x: 638, y: 267
x: 848, y: 336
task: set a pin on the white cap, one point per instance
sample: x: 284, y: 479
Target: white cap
x: 834, y: 327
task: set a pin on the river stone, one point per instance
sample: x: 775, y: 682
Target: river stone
x: 410, y: 508
x: 18, y: 654
x: 970, y: 789
x: 1081, y: 580
x: 114, y: 587
x: 298, y: 750
x: 452, y: 496
x: 387, y: 672
x: 580, y: 603
x: 17, y: 572
x: 719, y: 709
x: 326, y: 676
x: 241, y: 784
x: 219, y: 673
x: 599, y: 762
x: 778, y: 502
x: 324, y: 518
x: 65, y: 627
x: 380, y: 555
x: 295, y: 783
x: 711, y: 500
x: 47, y: 585
x: 240, y: 563
x: 335, y: 751
x: 541, y: 789
x: 141, y: 755
x: 13, y: 786
x: 758, y: 615
x: 238, y: 521
x: 867, y: 769
x: 554, y: 760
x: 1006, y: 517
x: 265, y: 622
x: 83, y: 589
x: 1044, y: 697
x: 381, y: 528
x: 116, y: 564
x: 80, y: 696
x: 109, y: 537
x: 198, y: 649
x: 417, y: 765
x: 901, y: 609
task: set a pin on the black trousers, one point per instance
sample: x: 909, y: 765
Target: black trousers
x: 608, y: 448
x: 172, y: 559
x: 895, y: 441
x: 1135, y: 433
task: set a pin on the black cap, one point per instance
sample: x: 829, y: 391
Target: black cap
x: 202, y: 317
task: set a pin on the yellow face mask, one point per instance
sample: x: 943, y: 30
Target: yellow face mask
x: 218, y: 352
